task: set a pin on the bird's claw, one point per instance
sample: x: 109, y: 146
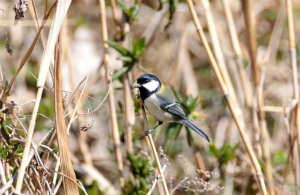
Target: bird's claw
x: 137, y: 96
x: 148, y: 132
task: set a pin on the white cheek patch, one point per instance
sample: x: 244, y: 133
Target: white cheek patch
x: 151, y: 86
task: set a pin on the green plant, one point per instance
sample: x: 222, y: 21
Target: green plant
x: 131, y: 12
x: 140, y: 183
x: 130, y: 57
x: 189, y: 103
x: 224, y: 154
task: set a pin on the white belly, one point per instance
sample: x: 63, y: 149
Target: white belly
x: 159, y: 114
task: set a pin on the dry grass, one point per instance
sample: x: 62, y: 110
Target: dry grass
x: 62, y: 133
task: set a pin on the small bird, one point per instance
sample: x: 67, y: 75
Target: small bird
x: 161, y: 103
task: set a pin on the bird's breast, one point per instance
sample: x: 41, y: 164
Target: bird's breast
x: 152, y: 106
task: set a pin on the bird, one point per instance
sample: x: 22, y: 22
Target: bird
x: 161, y: 104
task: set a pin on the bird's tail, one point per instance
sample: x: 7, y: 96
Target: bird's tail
x: 195, y: 128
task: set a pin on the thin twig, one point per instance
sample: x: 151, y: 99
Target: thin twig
x: 155, y: 181
x: 76, y: 106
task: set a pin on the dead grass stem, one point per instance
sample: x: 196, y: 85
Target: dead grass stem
x: 234, y: 109
x: 111, y: 98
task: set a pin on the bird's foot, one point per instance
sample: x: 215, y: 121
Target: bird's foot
x: 149, y: 131
x: 137, y: 96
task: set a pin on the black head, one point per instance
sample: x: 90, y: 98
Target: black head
x: 148, y: 84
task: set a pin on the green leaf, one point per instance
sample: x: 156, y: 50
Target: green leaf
x: 214, y: 150
x: 6, y: 132
x: 192, y: 103
x: 140, y: 48
x: 3, y: 153
x: 190, y: 136
x: 172, y: 8
x: 121, y: 71
x: 134, y: 11
x: 125, y: 58
x: 122, y: 4
x: 122, y: 50
x: 173, y: 130
x: 133, y: 46
x: 18, y: 154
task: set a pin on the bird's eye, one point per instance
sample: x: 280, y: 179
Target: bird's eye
x: 147, y: 80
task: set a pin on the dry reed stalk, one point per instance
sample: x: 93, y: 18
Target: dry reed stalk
x: 233, y: 109
x: 251, y: 38
x: 33, y: 13
x: 238, y: 52
x: 115, y: 14
x: 128, y: 112
x: 66, y: 164
x: 144, y: 122
x: 35, y: 16
x: 150, y: 139
x: 177, y: 68
x: 129, y: 115
x: 199, y: 160
x: 82, y: 137
x: 111, y: 98
x: 61, y: 9
x: 295, y: 124
x: 217, y: 50
x: 258, y: 82
x: 275, y: 109
x: 29, y: 51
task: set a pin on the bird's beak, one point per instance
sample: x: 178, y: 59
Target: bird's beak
x: 137, y: 86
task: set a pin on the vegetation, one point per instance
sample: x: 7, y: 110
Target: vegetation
x: 72, y: 123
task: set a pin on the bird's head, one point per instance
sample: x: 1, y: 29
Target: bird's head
x: 148, y: 83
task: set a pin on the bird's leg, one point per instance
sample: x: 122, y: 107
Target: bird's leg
x: 150, y: 130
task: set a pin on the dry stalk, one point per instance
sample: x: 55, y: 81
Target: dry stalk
x: 258, y: 82
x: 61, y: 9
x: 66, y: 164
x: 295, y: 124
x: 150, y: 139
x: 128, y: 112
x: 155, y: 181
x: 217, y: 50
x: 35, y: 16
x: 144, y: 122
x: 82, y: 137
x: 129, y: 115
x: 2, y: 176
x: 233, y: 109
x: 238, y: 52
x: 111, y: 98
x: 29, y: 51
x: 115, y: 14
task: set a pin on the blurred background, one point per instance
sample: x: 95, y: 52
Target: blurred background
x: 158, y: 37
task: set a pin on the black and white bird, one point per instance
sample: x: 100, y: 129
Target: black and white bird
x: 161, y: 103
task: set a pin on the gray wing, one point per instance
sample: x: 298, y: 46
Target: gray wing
x: 168, y: 103
x: 173, y: 108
